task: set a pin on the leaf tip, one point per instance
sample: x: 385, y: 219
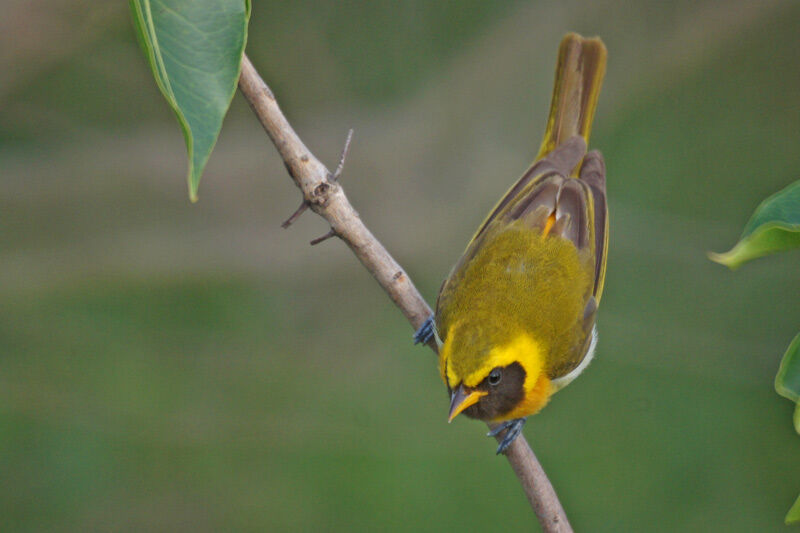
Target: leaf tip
x: 193, y: 186
x: 793, y: 516
x: 727, y: 259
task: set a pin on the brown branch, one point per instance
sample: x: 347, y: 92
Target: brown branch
x: 325, y: 196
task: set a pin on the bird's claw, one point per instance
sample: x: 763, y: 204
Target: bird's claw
x: 425, y: 332
x: 512, y: 428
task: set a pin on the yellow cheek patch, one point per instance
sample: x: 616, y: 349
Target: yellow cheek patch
x: 523, y: 350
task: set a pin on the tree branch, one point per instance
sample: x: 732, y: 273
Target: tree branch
x: 325, y: 196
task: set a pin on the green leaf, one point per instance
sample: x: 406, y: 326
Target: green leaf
x: 797, y: 418
x: 793, y: 516
x: 787, y: 382
x: 774, y: 227
x: 195, y: 50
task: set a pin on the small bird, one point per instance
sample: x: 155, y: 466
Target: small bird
x: 515, y: 319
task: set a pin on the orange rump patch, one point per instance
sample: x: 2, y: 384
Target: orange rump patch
x: 548, y: 225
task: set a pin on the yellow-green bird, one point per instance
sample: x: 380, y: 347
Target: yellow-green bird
x: 515, y: 319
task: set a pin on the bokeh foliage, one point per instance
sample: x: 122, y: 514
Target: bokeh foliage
x: 167, y: 366
x: 774, y: 227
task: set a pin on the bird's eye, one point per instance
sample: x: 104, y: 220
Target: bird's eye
x: 495, y: 376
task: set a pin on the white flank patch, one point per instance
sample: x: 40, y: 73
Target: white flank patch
x: 563, y: 381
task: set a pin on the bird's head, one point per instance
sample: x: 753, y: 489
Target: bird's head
x: 505, y: 381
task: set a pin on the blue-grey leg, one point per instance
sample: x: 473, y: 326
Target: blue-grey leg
x: 425, y: 332
x: 514, y: 428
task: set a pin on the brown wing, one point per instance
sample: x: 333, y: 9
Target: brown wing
x: 560, y: 161
x: 593, y: 173
x: 539, y: 186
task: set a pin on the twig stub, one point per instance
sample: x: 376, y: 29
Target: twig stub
x: 346, y: 148
x: 325, y: 237
x: 294, y: 216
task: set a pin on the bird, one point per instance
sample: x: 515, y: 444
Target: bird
x: 514, y: 320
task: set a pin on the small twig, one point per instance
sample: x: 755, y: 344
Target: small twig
x: 346, y: 148
x: 325, y: 237
x: 330, y: 202
x: 300, y: 210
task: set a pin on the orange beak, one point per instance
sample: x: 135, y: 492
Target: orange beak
x: 462, y: 399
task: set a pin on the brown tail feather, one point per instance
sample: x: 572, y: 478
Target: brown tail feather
x: 579, y: 75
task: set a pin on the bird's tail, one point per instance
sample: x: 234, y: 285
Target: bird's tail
x: 579, y: 75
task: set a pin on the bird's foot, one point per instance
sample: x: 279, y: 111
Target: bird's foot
x: 513, y: 427
x: 425, y: 332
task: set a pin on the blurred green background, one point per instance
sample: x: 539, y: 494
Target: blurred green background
x: 167, y: 366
